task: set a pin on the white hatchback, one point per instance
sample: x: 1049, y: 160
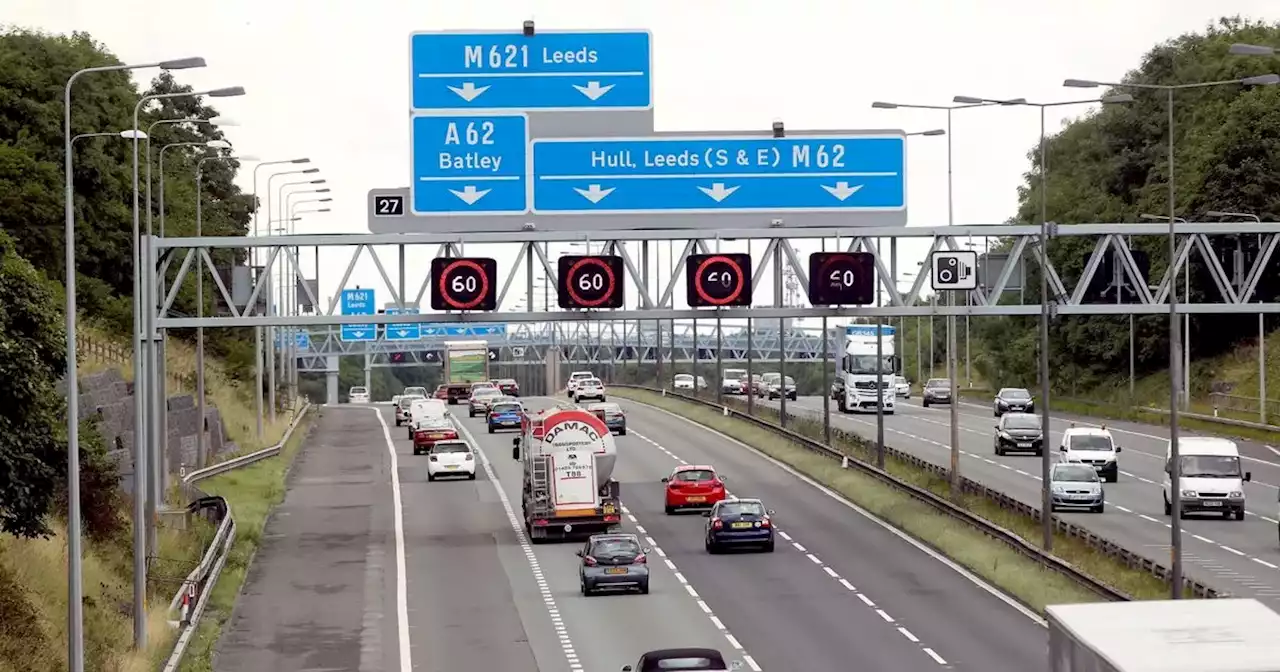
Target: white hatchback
x: 591, y: 388
x: 451, y: 458
x: 358, y: 395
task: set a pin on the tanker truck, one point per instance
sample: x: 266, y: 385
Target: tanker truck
x: 568, y: 488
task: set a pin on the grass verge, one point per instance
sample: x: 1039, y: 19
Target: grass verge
x: 989, y: 558
x: 252, y: 492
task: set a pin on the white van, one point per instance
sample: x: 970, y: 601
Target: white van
x: 1211, y: 479
x: 422, y: 409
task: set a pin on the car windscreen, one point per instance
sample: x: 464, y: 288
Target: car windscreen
x: 1210, y: 466
x: 406, y: 402
x: 499, y: 409
x: 443, y: 447
x: 1090, y: 442
x: 694, y: 475
x: 938, y: 382
x: 790, y: 380
x: 1019, y: 395
x: 741, y: 509
x: 615, y: 548
x: 735, y: 374
x: 1075, y: 474
x: 1022, y: 422
x: 684, y: 377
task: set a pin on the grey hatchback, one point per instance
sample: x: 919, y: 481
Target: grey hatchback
x: 613, y: 561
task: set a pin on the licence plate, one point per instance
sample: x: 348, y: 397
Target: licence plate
x: 616, y: 570
x: 739, y: 526
x: 1212, y: 503
x: 450, y: 466
x: 1024, y: 444
x: 696, y: 499
x: 435, y: 436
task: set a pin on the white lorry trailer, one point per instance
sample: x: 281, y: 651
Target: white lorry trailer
x: 861, y: 369
x: 1222, y: 635
x: 568, y: 457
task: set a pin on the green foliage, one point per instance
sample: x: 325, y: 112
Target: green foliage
x: 1113, y: 166
x: 31, y: 362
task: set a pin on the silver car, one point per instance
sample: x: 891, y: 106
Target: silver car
x: 1076, y: 487
x: 936, y: 391
x: 613, y: 562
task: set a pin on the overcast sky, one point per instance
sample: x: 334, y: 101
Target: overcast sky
x: 328, y: 80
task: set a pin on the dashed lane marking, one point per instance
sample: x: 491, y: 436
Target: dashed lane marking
x: 812, y: 558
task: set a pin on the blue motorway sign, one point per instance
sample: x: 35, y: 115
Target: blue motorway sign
x: 463, y: 330
x: 847, y: 173
x: 548, y: 71
x: 302, y: 340
x: 469, y: 165
x: 359, y: 302
x: 402, y: 332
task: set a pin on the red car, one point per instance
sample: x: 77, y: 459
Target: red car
x: 426, y: 436
x: 693, y: 486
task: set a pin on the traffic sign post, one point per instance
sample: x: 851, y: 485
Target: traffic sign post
x: 845, y: 173
x: 954, y: 270
x: 465, y: 165
x: 591, y: 282
x: 403, y: 332
x: 359, y: 302
x: 543, y: 70
x: 718, y: 280
x: 842, y: 278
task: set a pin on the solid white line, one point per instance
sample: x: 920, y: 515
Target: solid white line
x: 402, y: 587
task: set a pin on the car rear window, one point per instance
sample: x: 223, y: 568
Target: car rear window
x: 406, y: 402
x: 359, y: 390
x: 741, y: 508
x: 507, y: 381
x: 692, y: 475
x: 620, y: 547
x: 506, y: 408
x: 685, y: 664
x: 450, y: 448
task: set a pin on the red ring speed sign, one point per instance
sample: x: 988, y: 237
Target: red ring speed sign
x: 444, y: 284
x: 739, y: 278
x: 608, y: 275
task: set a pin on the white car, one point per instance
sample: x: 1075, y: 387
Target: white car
x: 590, y: 388
x: 358, y: 395
x: 682, y: 381
x: 575, y: 378
x: 451, y: 458
x: 1092, y: 446
x: 901, y: 387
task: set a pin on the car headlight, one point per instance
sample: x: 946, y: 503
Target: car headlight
x: 1058, y: 489
x: 1236, y: 494
x: 1002, y: 402
x: 1189, y: 493
x: 1006, y: 435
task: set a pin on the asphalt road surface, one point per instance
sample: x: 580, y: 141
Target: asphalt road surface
x: 1241, y: 558
x: 840, y: 592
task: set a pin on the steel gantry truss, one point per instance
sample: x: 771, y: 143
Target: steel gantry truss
x: 599, y: 342
x: 656, y: 296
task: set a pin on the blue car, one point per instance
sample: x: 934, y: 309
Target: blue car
x: 505, y: 415
x: 739, y: 522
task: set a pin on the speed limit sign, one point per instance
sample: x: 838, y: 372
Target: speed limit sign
x: 590, y: 282
x: 718, y: 280
x: 464, y: 284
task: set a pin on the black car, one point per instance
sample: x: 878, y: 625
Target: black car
x: 936, y: 391
x: 837, y: 389
x: 671, y: 660
x: 1019, y: 433
x: 738, y: 522
x: 1013, y: 400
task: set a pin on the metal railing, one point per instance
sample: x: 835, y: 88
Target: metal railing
x: 942, y: 505
x: 199, y: 584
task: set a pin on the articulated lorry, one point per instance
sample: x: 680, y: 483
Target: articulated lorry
x: 862, y: 370
x: 1222, y: 635
x: 568, y: 457
x: 466, y: 362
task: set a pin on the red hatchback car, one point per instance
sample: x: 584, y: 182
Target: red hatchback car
x: 693, y: 486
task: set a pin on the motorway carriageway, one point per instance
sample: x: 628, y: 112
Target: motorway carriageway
x: 343, y: 583
x: 1241, y: 558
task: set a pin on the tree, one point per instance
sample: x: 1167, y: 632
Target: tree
x: 1112, y: 166
x: 32, y: 451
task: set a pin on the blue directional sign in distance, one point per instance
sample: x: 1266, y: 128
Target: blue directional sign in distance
x: 403, y: 332
x: 302, y: 340
x: 470, y: 165
x: 463, y: 330
x: 548, y: 71
x: 848, y: 173
x: 358, y: 302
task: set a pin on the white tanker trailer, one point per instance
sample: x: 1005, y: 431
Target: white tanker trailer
x: 568, y: 457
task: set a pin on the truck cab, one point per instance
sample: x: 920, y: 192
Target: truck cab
x: 869, y: 379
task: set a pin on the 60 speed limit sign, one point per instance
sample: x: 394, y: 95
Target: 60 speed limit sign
x: 718, y: 280
x: 463, y: 284
x: 593, y: 281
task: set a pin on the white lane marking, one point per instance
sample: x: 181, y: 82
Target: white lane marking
x: 1264, y: 563
x: 1277, y: 452
x: 1150, y: 519
x: 397, y: 518
x: 934, y: 655
x: 812, y: 558
x: 948, y: 562
x: 544, y: 588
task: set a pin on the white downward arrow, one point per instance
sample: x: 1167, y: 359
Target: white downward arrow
x: 593, y: 90
x: 594, y: 193
x: 402, y: 333
x: 469, y: 91
x: 358, y: 334
x: 842, y: 190
x: 469, y: 194
x: 718, y: 191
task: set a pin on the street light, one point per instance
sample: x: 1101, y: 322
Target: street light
x: 1175, y: 340
x: 270, y: 333
x: 1046, y: 459
x: 1186, y: 319
x: 75, y: 586
x: 929, y: 133
x: 1252, y: 50
x: 289, y: 292
x: 1262, y: 326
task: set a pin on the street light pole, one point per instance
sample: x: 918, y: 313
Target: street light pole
x: 288, y: 282
x: 1175, y: 340
x: 290, y: 344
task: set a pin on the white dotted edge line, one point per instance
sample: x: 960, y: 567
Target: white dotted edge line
x: 1020, y: 472
x: 832, y: 573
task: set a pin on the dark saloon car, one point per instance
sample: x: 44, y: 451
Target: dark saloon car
x: 613, y: 562
x: 612, y: 415
x: 739, y: 522
x: 1013, y: 400
x: 505, y: 415
x: 936, y: 391
x: 1019, y: 433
